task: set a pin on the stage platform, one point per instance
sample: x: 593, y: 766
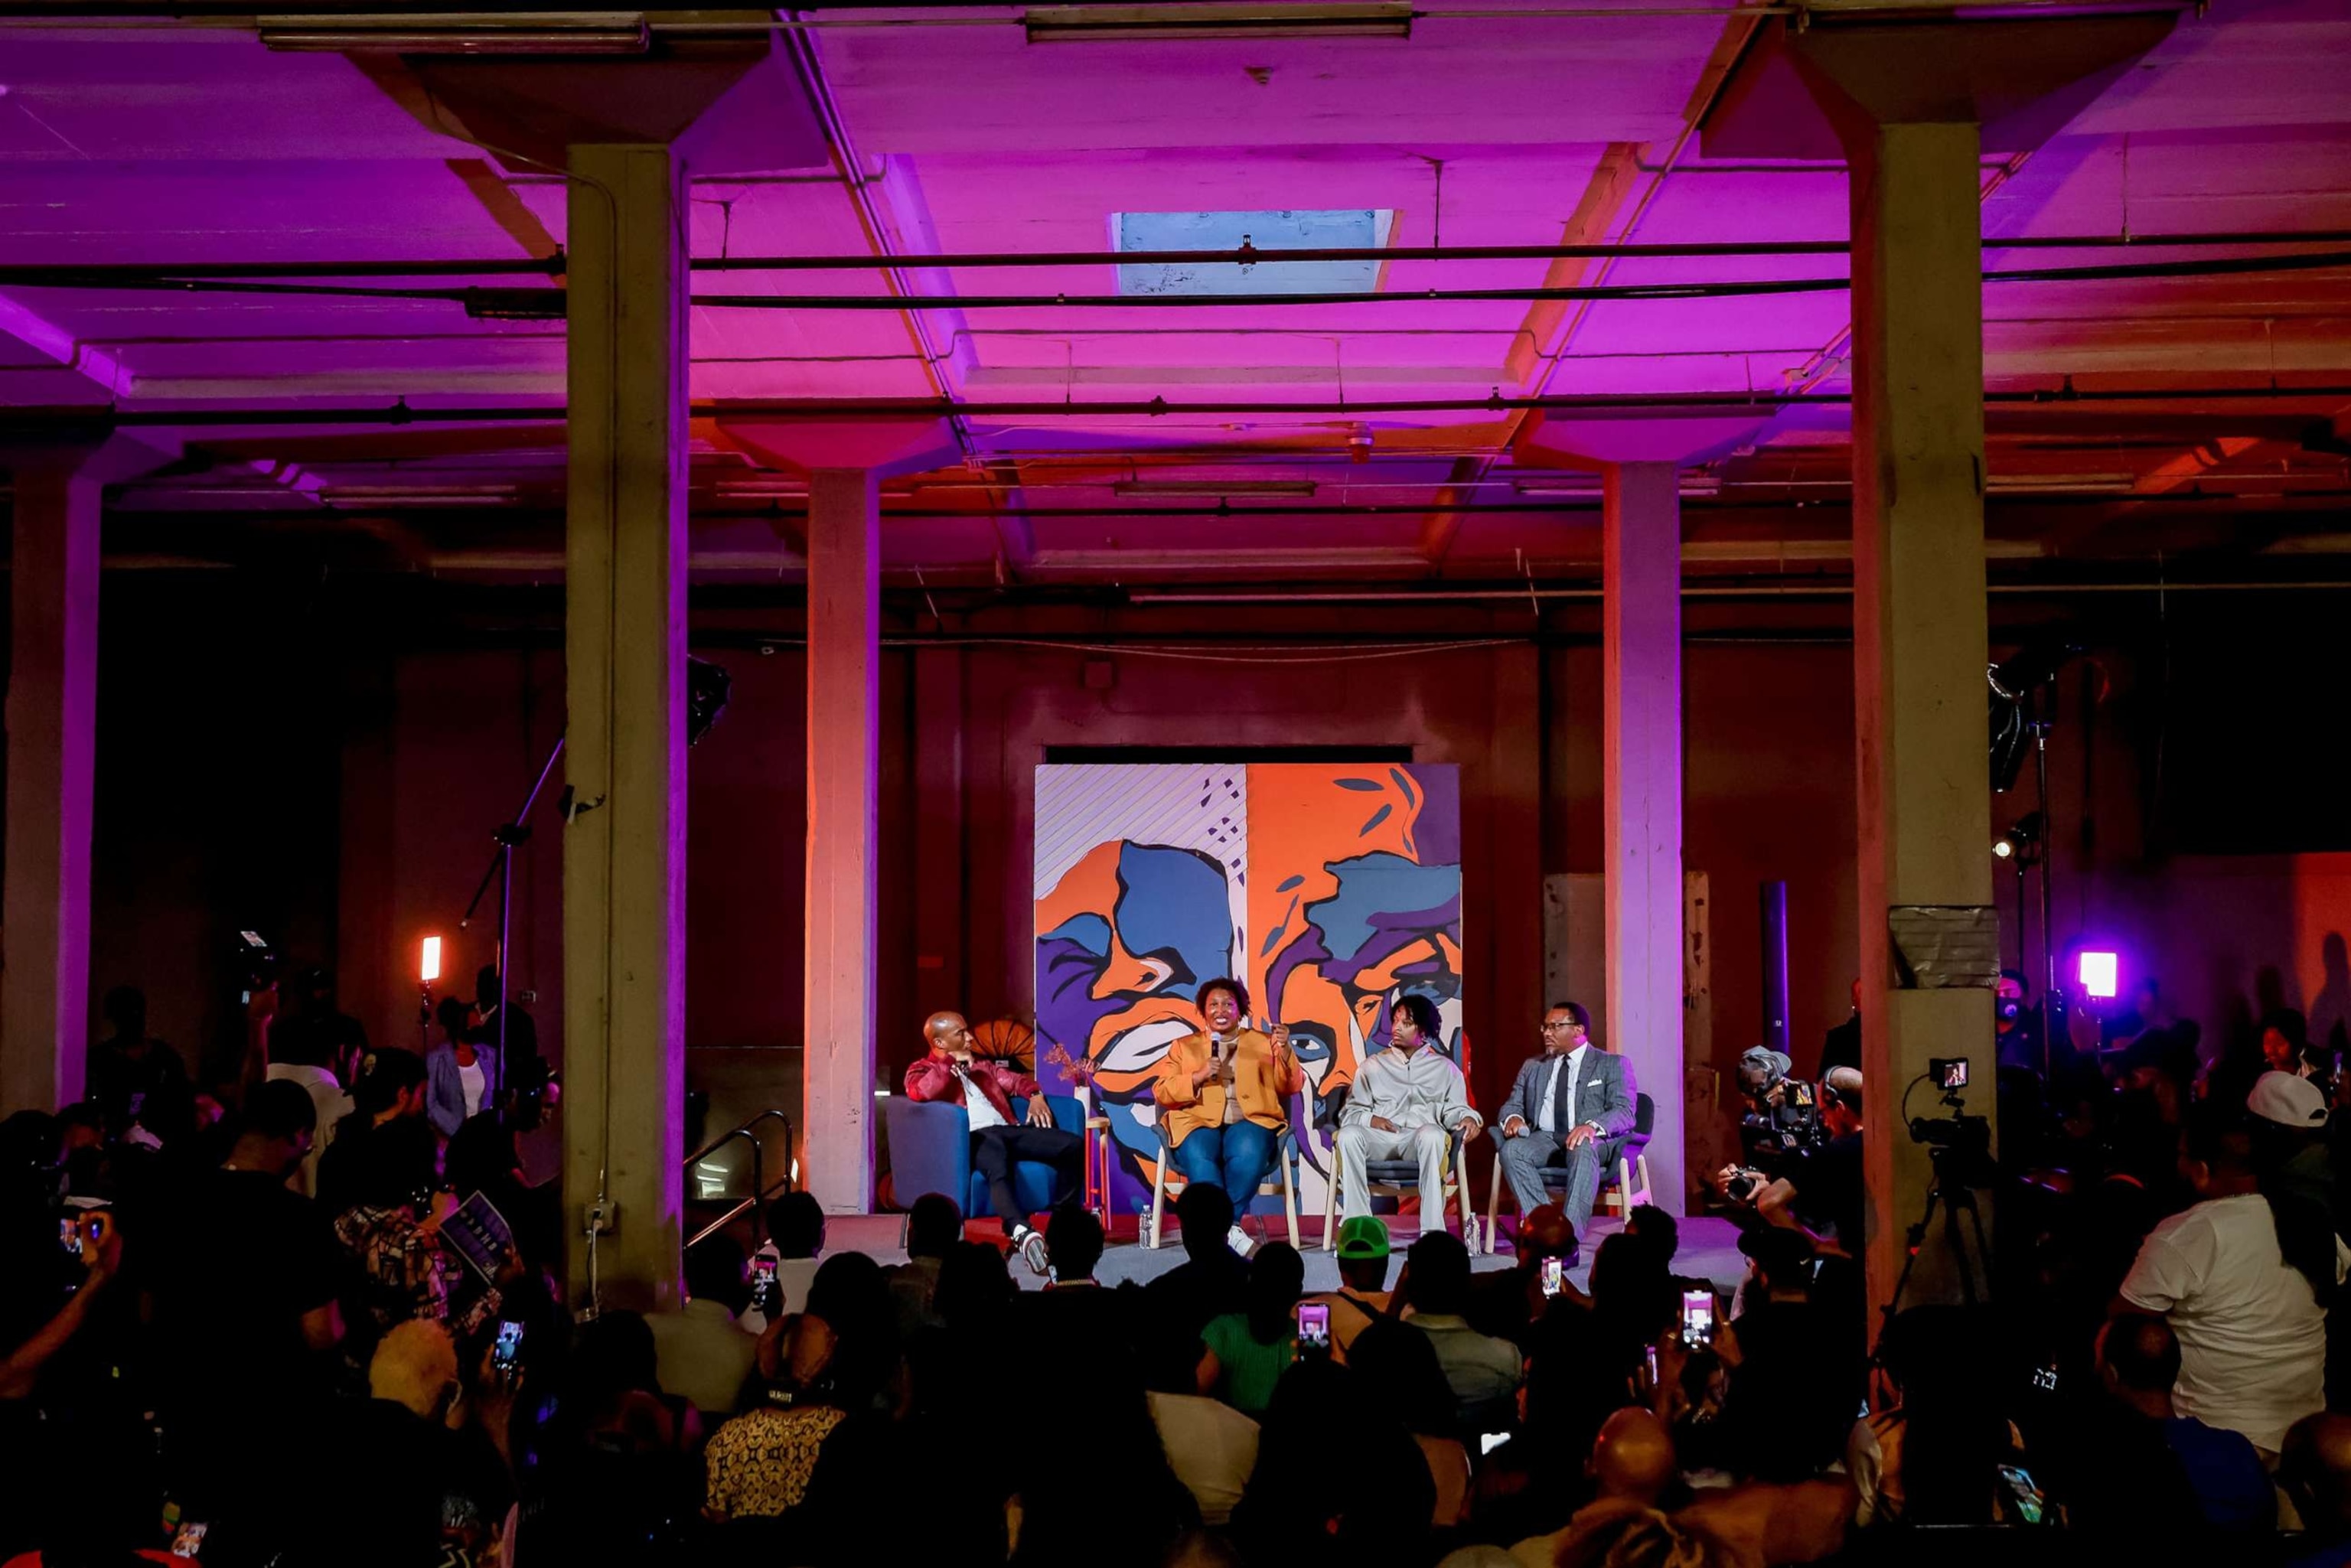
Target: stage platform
x: 1709, y: 1250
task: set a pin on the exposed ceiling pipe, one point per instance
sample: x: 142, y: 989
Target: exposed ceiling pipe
x: 96, y: 275
x: 144, y: 15
x: 402, y: 414
x: 547, y: 304
x: 1704, y: 590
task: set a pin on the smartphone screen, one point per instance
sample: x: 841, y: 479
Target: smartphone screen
x: 1490, y: 1441
x: 1650, y: 1352
x: 1553, y: 1272
x: 507, y: 1353
x: 69, y: 1235
x: 1698, y: 1317
x: 2026, y: 1496
x: 189, y: 1540
x: 1313, y: 1326
x: 2044, y: 1378
x: 764, y: 1285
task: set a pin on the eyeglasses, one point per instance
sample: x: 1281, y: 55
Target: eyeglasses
x: 1550, y: 1024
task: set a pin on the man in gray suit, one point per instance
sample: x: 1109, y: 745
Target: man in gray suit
x: 1572, y: 1103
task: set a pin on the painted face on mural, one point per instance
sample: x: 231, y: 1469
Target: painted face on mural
x: 1329, y: 892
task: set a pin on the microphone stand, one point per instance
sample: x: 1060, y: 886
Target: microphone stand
x: 509, y: 835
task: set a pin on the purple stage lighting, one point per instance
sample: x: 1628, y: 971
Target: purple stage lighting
x: 2098, y: 974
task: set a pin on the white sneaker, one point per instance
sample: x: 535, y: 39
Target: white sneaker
x: 1030, y: 1245
x: 1238, y: 1241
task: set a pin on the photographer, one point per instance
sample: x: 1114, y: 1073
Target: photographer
x: 1819, y: 1190
x: 1783, y: 1117
x: 2016, y: 1022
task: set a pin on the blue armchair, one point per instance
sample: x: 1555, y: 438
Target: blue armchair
x: 930, y: 1151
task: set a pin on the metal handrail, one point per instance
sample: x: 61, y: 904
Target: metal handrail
x: 759, y: 1190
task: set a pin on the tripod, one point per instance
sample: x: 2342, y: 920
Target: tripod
x: 1954, y: 1198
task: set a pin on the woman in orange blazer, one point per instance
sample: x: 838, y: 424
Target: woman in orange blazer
x: 1226, y: 1096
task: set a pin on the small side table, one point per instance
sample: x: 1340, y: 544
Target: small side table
x: 1100, y: 1150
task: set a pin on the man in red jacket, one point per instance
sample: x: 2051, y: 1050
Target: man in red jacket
x: 986, y: 1090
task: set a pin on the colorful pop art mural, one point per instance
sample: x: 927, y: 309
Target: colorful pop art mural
x: 1330, y: 890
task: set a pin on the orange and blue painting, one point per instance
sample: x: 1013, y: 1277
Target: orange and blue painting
x: 1330, y: 890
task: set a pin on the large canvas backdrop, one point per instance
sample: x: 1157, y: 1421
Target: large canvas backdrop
x: 1329, y: 890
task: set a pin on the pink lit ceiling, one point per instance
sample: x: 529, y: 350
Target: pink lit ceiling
x: 1494, y: 123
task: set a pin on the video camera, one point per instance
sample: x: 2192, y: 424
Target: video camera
x: 1959, y: 1145
x: 1783, y: 1121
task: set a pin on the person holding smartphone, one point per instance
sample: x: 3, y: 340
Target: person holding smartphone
x: 1224, y: 1093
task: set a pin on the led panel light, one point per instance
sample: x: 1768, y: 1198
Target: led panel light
x: 2099, y: 974
x: 1065, y: 23
x: 460, y: 32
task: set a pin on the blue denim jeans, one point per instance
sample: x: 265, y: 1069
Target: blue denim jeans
x: 1235, y: 1157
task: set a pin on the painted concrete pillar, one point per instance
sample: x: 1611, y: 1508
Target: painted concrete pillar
x: 624, y: 646
x: 845, y: 462
x: 1924, y: 778
x: 1910, y: 108
x: 52, y: 722
x: 845, y: 659
x: 52, y: 726
x: 1641, y: 766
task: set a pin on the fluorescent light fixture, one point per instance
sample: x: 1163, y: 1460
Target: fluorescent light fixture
x: 1065, y: 24
x: 2061, y: 485
x: 428, y: 967
x: 516, y: 303
x: 1209, y: 490
x: 2098, y: 974
x: 460, y: 32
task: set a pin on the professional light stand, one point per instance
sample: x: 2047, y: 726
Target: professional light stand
x: 510, y: 835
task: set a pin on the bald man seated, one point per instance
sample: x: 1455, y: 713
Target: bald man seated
x: 986, y: 1090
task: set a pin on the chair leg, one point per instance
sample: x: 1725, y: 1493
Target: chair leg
x: 1494, y: 1201
x: 1290, y: 1200
x: 1646, y: 1196
x: 1158, y: 1194
x: 1331, y: 1202
x: 1468, y: 1209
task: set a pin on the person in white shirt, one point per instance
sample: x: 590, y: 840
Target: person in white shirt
x: 2251, y: 1325
x: 1405, y: 1102
x: 787, y: 1258
x: 1573, y: 1105
x: 702, y: 1355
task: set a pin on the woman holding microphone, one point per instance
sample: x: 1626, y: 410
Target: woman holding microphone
x: 1225, y: 1097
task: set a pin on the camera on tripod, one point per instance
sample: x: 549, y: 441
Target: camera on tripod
x: 1959, y: 1145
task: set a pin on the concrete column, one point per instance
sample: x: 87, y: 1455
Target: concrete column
x: 52, y: 723
x: 844, y: 613
x: 1641, y: 763
x: 1925, y: 791
x: 624, y: 852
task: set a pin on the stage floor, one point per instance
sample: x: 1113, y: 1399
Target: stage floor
x: 1709, y: 1250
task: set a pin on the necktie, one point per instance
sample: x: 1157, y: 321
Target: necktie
x: 1566, y: 1118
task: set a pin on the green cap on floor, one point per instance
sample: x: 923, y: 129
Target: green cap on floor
x: 1364, y: 1236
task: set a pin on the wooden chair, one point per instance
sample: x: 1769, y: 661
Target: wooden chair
x: 1625, y: 1182
x: 1399, y: 1179
x: 1282, y: 1183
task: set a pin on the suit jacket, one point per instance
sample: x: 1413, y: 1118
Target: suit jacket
x: 1258, y: 1079
x: 934, y: 1077
x: 1604, y: 1097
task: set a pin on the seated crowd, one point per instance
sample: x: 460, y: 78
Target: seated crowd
x: 218, y: 1334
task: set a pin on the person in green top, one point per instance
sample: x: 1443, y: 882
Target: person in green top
x: 1247, y: 1352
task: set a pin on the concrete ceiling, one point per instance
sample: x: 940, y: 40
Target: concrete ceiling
x: 1495, y: 123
